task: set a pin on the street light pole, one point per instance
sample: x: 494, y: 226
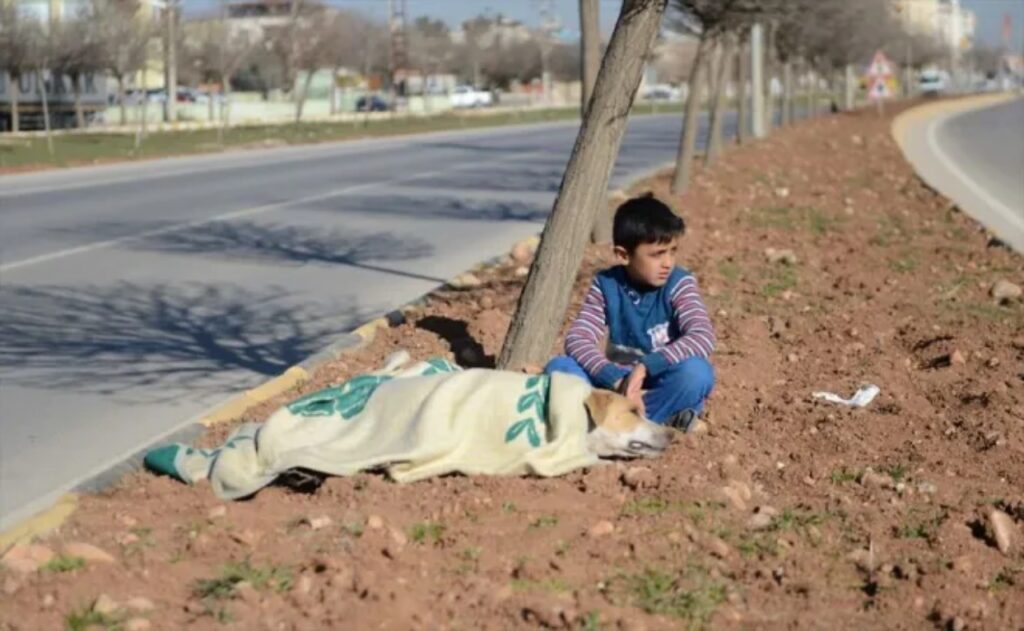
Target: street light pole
x: 171, y: 63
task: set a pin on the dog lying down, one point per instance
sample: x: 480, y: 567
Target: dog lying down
x: 432, y: 418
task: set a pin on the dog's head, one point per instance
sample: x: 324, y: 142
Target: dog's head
x: 618, y: 429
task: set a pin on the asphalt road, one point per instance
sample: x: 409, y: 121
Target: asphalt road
x: 134, y: 297
x: 976, y: 158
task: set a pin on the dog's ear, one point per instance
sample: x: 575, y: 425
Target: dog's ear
x: 597, y: 404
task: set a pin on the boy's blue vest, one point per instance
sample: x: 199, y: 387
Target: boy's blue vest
x: 639, y: 321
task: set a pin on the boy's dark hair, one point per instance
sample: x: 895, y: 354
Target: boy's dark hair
x: 644, y: 219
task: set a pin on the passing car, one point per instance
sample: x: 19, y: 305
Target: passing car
x: 662, y: 92
x: 468, y: 96
x: 371, y: 103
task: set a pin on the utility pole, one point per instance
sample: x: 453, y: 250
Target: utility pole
x: 590, y: 50
x: 757, y: 81
x: 550, y: 26
x: 396, y: 45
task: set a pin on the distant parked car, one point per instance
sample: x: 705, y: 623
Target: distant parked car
x: 933, y: 82
x: 372, y: 103
x: 468, y: 96
x: 662, y: 93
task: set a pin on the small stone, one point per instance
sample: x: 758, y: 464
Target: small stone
x: 138, y: 624
x: 245, y: 592
x: 486, y: 302
x: 246, y: 537
x: 735, y: 497
x: 957, y: 624
x: 465, y: 281
x: 49, y: 600
x: 1004, y: 291
x: 863, y: 559
x: 318, y: 523
x: 993, y: 362
x: 602, y: 528
x: 105, y: 605
x: 639, y: 478
x: 719, y: 548
x: 762, y: 518
x: 524, y: 251
x: 128, y: 521
x: 374, y: 522
x: 857, y: 140
x: 26, y: 557
x: 521, y: 272
x: 398, y: 537
x: 217, y: 512
x: 1002, y: 530
x: 876, y: 480
x: 782, y: 192
x: 785, y: 256
x: 926, y: 488
x: 139, y: 604
x: 792, y: 358
x: 88, y: 552
x: 957, y: 358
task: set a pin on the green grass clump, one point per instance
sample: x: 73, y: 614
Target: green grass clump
x: 274, y: 577
x: 62, y: 563
x: 425, y: 531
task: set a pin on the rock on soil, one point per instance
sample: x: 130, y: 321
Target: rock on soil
x: 785, y: 256
x: 602, y: 528
x: 105, y: 605
x: 1004, y: 291
x: 27, y: 557
x: 1003, y: 530
x: 88, y: 552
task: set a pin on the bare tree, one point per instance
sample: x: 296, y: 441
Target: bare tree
x: 545, y: 297
x: 590, y: 49
x: 77, y: 53
x: 341, y: 48
x: 708, y: 20
x: 18, y: 34
x: 309, y: 47
x: 742, y: 94
x: 125, y: 39
x: 727, y: 47
x: 220, y: 53
x: 430, y: 49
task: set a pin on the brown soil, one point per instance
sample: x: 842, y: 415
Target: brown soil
x: 766, y: 520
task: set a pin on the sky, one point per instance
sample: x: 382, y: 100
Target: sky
x: 989, y: 13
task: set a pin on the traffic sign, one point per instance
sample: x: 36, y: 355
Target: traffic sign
x: 879, y: 89
x: 880, y: 67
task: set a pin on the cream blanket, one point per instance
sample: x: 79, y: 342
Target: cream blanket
x: 430, y: 419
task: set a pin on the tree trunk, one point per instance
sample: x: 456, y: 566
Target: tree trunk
x: 718, y: 104
x: 787, y: 92
x: 742, y: 96
x: 691, y: 123
x: 15, y: 94
x: 812, y: 92
x: 225, y: 110
x: 300, y: 101
x: 171, y: 64
x: 590, y: 50
x: 120, y: 99
x: 209, y: 106
x: 140, y: 133
x: 334, y: 91
x: 849, y: 88
x: 76, y: 89
x: 41, y: 86
x: 545, y: 297
x: 770, y: 68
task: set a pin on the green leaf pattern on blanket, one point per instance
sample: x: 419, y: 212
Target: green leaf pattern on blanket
x: 348, y: 399
x: 533, y: 403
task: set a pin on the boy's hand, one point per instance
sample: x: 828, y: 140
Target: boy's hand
x: 632, y: 386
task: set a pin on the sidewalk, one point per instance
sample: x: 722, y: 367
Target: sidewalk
x: 826, y: 264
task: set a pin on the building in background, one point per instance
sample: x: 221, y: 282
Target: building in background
x: 946, y: 22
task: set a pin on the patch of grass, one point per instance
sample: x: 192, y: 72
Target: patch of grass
x: 897, y: 472
x: 843, y: 476
x: 551, y: 585
x: 730, y: 271
x: 819, y: 223
x: 918, y: 527
x: 903, y: 265
x: 647, y: 506
x: 562, y: 547
x: 427, y: 530
x: 758, y: 546
x: 696, y: 511
x: 544, y: 521
x: 275, y: 577
x: 779, y: 280
x: 354, y: 529
x: 472, y: 553
x: 795, y: 520
x: 86, y: 618
x: 63, y: 563
x: 1007, y: 577
x: 774, y: 217
x: 692, y: 598
x: 509, y: 507
x: 592, y: 621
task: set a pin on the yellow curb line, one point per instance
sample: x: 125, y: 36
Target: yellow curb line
x: 929, y: 110
x: 40, y: 523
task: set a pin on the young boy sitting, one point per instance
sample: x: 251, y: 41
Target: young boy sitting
x: 659, y: 333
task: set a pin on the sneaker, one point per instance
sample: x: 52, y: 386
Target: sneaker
x: 683, y: 420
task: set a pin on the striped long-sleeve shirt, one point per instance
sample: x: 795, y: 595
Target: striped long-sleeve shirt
x: 658, y: 327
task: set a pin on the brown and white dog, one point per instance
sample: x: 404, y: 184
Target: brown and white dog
x: 617, y: 429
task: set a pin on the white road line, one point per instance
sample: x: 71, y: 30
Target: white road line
x: 247, y: 212
x: 1013, y: 218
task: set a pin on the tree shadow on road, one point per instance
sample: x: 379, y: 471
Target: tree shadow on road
x: 160, y: 342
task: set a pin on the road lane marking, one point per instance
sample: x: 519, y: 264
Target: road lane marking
x: 248, y: 212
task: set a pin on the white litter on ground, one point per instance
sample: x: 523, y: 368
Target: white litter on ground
x: 860, y: 398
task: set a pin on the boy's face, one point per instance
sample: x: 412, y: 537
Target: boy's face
x: 650, y: 263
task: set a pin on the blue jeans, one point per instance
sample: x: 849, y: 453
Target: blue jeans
x: 684, y: 386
